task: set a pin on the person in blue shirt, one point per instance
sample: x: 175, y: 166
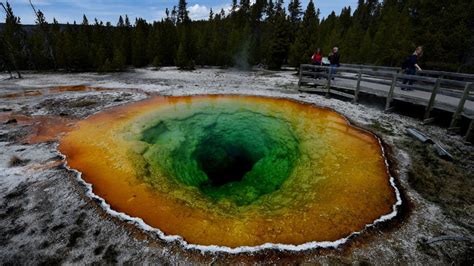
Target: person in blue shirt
x: 410, y: 66
x: 334, y: 59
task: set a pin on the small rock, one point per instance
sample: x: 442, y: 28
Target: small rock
x: 16, y: 161
x: 11, y: 121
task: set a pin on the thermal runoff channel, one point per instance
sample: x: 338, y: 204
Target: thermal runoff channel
x: 234, y: 170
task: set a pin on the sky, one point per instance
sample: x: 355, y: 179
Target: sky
x: 151, y: 10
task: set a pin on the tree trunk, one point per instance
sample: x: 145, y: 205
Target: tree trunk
x: 46, y: 37
x: 11, y: 51
x: 19, y: 74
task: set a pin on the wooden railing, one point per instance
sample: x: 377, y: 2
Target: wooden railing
x: 429, y: 73
x: 443, y: 90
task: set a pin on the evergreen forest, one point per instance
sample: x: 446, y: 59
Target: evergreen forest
x: 265, y: 32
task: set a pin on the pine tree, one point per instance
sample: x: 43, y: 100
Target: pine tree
x: 59, y: 39
x: 120, y: 22
x: 43, y: 25
x: 279, y: 9
x: 446, y: 29
x: 211, y: 14
x: 306, y: 38
x: 234, y: 6
x: 122, y: 38
x: 118, y: 61
x: 85, y: 21
x: 219, y: 41
x: 39, y: 50
x: 127, y: 22
x: 278, y: 42
x: 345, y: 19
x: 183, y: 14
x: 168, y: 44
x: 329, y: 33
x: 393, y: 35
x: 257, y: 27
x: 100, y: 49
x: 294, y: 18
x: 244, y: 6
x: 83, y: 56
x: 366, y: 53
x: 13, y: 38
x: 334, y: 38
x: 183, y: 60
x: 352, y: 40
x: 185, y: 53
x: 294, y: 10
x: 270, y: 10
x: 4, y: 66
x: 57, y: 42
x: 152, y: 44
x: 139, y: 43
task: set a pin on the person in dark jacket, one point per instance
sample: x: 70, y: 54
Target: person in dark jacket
x: 410, y: 66
x: 334, y: 59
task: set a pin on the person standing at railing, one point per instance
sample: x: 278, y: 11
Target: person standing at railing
x: 334, y: 59
x: 317, y: 58
x: 410, y: 66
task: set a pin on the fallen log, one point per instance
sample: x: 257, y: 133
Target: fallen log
x: 419, y: 135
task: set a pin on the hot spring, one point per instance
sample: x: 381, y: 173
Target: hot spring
x: 235, y: 171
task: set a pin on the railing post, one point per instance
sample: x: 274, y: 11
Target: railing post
x: 469, y: 131
x: 390, y: 92
x: 460, y: 108
x: 357, y: 89
x: 301, y: 75
x: 431, y: 103
x: 328, y: 85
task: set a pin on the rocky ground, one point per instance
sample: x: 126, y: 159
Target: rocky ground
x: 46, y: 218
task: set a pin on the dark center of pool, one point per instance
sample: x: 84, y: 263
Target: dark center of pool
x: 236, y: 156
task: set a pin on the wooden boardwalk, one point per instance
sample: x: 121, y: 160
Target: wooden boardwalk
x: 451, y: 92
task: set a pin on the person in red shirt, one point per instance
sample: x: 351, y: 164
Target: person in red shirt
x: 317, y: 58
